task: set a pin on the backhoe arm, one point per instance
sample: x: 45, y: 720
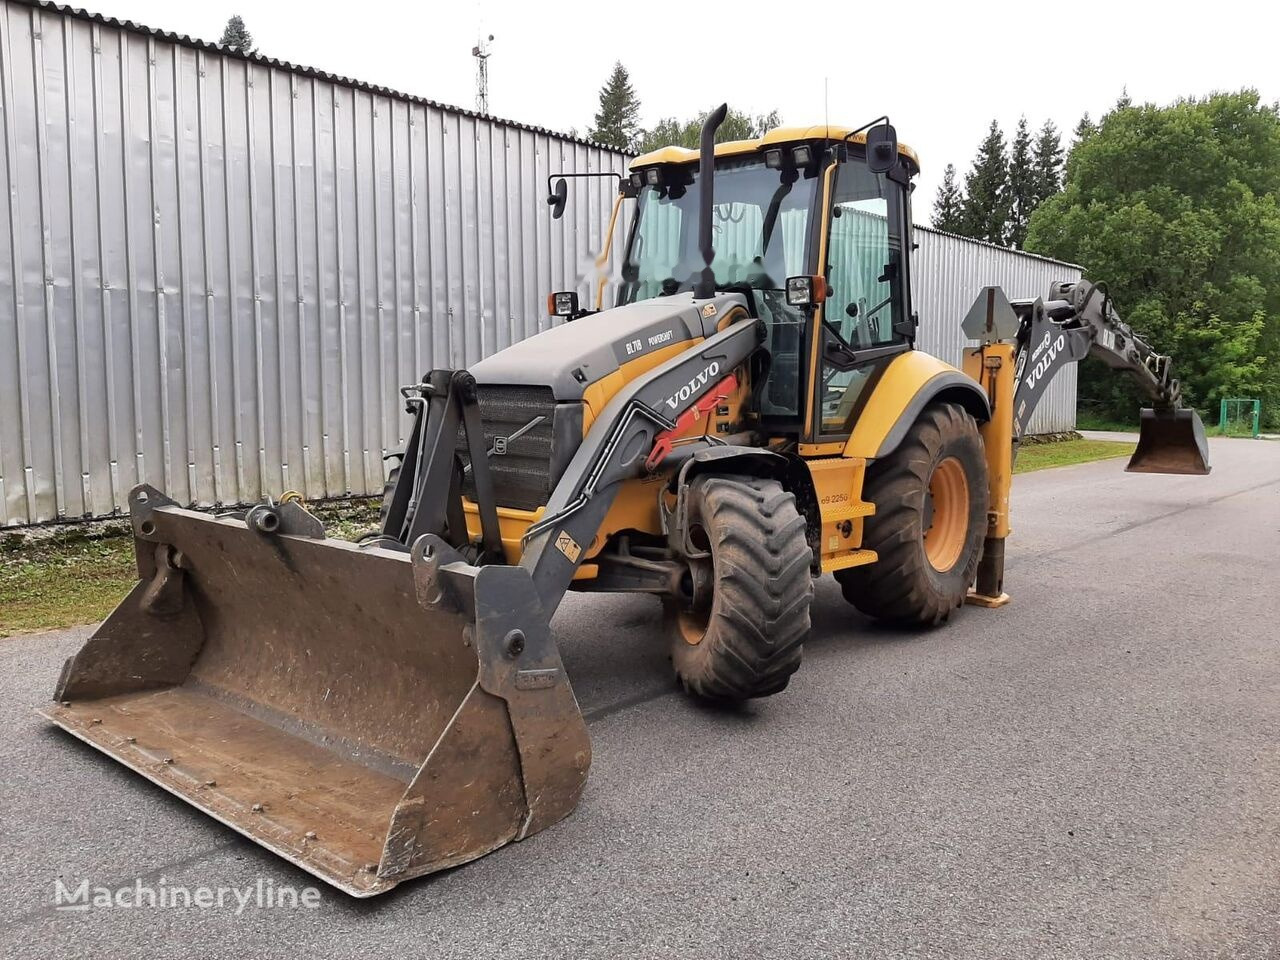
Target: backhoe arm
x: 1081, y: 320
x: 1024, y: 344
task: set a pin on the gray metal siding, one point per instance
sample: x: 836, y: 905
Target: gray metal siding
x: 216, y: 270
x: 947, y: 274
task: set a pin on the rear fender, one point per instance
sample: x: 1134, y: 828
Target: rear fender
x: 910, y: 383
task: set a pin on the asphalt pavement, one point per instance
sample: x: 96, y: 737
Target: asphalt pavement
x: 1092, y: 771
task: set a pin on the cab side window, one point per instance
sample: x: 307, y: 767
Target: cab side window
x: 865, y: 304
x: 863, y: 261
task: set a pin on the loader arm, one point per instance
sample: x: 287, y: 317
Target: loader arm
x: 615, y: 449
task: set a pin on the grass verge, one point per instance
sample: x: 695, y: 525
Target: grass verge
x: 1041, y: 456
x: 71, y: 575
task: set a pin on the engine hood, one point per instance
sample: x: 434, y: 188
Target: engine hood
x: 573, y: 355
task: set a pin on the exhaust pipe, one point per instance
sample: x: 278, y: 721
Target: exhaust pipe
x: 705, y: 288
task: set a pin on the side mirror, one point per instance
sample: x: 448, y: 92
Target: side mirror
x: 559, y: 195
x: 882, y: 148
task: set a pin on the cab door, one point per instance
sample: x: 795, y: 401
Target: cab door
x: 865, y: 320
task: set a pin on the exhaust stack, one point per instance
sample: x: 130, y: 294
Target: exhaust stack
x: 705, y: 288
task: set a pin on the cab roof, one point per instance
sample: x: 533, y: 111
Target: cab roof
x: 735, y: 148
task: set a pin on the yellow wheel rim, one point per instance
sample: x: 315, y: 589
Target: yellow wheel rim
x: 693, y: 627
x: 946, y: 533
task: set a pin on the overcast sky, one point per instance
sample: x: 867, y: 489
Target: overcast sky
x: 941, y: 72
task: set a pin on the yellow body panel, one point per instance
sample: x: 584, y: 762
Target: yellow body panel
x: 900, y: 382
x: 993, y: 367
x: 634, y: 508
x: 512, y: 524
x: 595, y: 396
x: 832, y: 448
x: 838, y: 484
x: 737, y: 148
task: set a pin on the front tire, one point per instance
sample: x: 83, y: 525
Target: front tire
x: 930, y: 495
x: 740, y: 632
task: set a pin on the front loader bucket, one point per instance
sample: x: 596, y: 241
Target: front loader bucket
x: 1170, y: 441
x: 371, y: 715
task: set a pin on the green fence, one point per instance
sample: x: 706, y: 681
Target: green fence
x: 1235, y: 412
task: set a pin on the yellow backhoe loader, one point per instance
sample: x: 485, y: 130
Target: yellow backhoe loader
x: 749, y: 415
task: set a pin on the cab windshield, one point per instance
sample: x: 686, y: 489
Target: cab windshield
x: 760, y: 229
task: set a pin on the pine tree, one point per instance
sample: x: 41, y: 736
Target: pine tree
x: 237, y: 35
x: 617, y: 121
x: 670, y: 132
x: 948, y: 206
x: 1084, y: 129
x: 1047, y: 162
x: 1022, y: 200
x: 986, y: 191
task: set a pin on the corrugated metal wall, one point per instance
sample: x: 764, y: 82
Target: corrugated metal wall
x: 217, y: 270
x: 947, y: 274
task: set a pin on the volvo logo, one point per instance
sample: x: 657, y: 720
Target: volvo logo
x: 693, y: 386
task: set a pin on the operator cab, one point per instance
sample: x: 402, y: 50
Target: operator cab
x: 796, y: 204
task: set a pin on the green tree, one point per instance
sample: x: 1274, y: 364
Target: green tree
x: 670, y: 132
x: 1046, y: 159
x: 986, y: 191
x: 237, y: 35
x: 1178, y: 209
x: 617, y: 122
x: 1022, y: 185
x: 949, y: 203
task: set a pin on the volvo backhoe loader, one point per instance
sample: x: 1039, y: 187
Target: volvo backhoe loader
x: 749, y: 415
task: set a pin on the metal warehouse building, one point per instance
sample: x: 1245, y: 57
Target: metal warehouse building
x: 217, y: 269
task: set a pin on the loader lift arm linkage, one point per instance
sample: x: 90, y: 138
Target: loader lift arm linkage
x: 427, y: 498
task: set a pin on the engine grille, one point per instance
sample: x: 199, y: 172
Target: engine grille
x: 525, y: 474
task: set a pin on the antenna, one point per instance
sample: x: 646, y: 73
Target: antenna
x: 481, y: 52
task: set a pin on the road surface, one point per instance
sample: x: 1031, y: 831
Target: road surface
x: 1093, y: 771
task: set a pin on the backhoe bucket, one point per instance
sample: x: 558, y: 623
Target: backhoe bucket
x: 370, y: 715
x: 1170, y: 441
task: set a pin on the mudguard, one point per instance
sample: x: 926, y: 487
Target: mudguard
x: 910, y: 383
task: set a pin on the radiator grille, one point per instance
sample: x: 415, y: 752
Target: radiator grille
x: 524, y: 475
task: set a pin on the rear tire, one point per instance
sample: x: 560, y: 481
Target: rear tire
x: 746, y: 640
x: 930, y: 495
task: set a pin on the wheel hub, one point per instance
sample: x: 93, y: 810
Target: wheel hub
x: 946, y: 514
